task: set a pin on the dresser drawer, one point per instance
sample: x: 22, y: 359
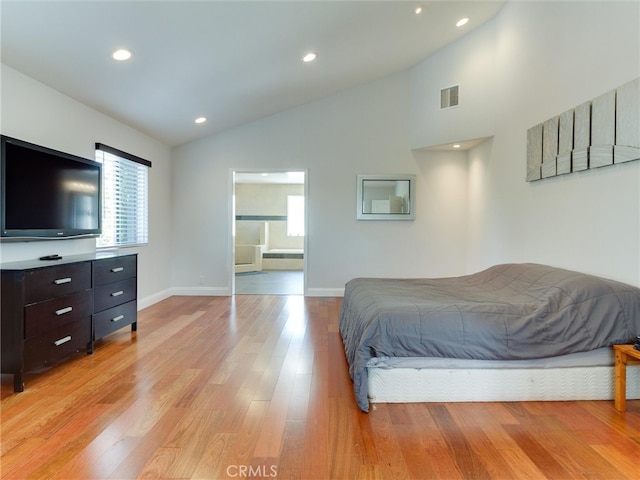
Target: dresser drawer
x: 114, y: 269
x: 113, y: 319
x: 107, y: 296
x: 57, y: 343
x: 43, y: 316
x: 44, y: 283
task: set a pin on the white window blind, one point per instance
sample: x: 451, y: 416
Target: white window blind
x: 125, y: 182
x: 295, y: 215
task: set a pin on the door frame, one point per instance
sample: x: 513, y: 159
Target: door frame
x: 231, y: 237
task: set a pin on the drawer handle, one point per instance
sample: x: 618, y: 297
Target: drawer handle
x: 57, y: 343
x: 64, y: 310
x: 118, y: 318
x: 61, y: 281
x: 117, y: 269
x: 118, y: 293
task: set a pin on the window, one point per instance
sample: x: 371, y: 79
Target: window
x: 125, y: 179
x: 295, y: 215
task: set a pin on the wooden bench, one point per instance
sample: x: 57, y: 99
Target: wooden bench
x: 625, y: 355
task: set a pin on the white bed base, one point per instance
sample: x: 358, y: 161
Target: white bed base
x: 499, y: 384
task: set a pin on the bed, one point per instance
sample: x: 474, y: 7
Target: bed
x: 496, y: 329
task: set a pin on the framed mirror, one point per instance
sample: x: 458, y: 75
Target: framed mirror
x: 386, y: 197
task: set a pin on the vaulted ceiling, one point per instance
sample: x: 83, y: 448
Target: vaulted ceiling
x: 229, y: 61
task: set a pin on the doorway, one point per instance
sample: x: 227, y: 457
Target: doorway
x: 269, y: 232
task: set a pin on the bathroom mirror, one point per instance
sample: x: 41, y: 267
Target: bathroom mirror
x: 386, y: 197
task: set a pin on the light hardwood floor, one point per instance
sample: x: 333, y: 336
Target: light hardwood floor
x: 258, y: 387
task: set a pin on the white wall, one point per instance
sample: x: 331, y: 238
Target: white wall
x: 469, y: 63
x: 363, y: 130
x: 533, y: 61
x: 548, y: 57
x: 34, y: 112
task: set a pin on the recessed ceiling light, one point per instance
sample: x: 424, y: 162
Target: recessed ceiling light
x: 200, y: 120
x: 121, y: 54
x: 462, y: 21
x: 418, y: 10
x: 457, y: 145
x: 310, y: 57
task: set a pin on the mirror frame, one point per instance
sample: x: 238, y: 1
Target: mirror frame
x: 360, y: 210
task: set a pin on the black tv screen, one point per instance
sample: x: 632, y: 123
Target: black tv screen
x: 47, y: 193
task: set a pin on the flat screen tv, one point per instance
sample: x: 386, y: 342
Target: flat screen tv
x: 47, y: 194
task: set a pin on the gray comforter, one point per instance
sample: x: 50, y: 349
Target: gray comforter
x: 511, y: 311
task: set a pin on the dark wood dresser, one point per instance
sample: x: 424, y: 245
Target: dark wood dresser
x: 53, y: 309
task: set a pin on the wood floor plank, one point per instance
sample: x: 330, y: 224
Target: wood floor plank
x: 160, y: 463
x: 574, y: 453
x: 63, y: 445
x: 212, y: 463
x: 539, y: 455
x: 315, y: 460
x: 144, y: 449
x: 213, y: 388
x: 366, y: 440
x: 22, y: 459
x: 270, y: 440
x: 344, y: 448
x: 241, y: 453
x: 415, y: 454
x: 289, y: 463
x: 522, y: 464
x: 459, y: 443
x: 299, y: 403
x: 626, y: 463
x: 101, y: 452
x: 190, y: 438
x: 390, y: 459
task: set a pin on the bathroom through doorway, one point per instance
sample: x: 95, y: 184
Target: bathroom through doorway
x: 269, y: 232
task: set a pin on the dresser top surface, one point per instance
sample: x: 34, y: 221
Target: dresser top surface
x: 36, y: 263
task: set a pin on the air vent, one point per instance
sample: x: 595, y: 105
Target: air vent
x: 449, y: 97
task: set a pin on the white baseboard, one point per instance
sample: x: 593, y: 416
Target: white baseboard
x: 221, y: 292
x: 201, y: 291
x: 155, y: 298
x: 325, y: 292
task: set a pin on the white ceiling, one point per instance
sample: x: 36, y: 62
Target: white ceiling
x: 231, y: 61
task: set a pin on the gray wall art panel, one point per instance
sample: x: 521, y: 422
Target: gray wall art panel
x: 627, y: 146
x: 601, y: 132
x: 549, y: 146
x: 565, y: 143
x: 581, y: 137
x: 534, y: 152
